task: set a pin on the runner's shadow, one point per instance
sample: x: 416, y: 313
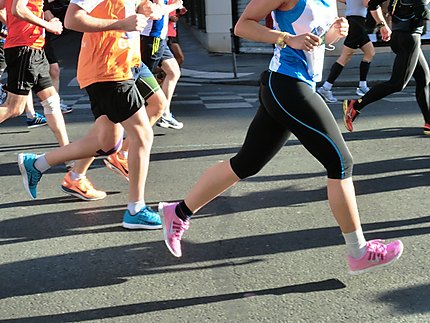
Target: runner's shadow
x: 171, y: 304
x: 383, y: 133
x: 417, y: 296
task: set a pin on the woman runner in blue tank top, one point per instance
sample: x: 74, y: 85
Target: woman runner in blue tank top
x: 290, y: 105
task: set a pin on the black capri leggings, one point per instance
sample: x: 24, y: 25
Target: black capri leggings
x: 288, y: 106
x: 410, y: 61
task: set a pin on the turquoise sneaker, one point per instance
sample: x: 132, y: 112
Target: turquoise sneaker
x: 30, y: 175
x: 146, y: 218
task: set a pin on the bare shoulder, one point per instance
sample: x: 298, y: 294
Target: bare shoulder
x: 287, y: 5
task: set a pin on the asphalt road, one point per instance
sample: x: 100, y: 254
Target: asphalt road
x: 267, y: 250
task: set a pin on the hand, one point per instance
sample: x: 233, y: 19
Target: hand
x: 135, y: 22
x: 305, y: 42
x: 54, y: 26
x: 179, y: 4
x: 385, y: 33
x: 340, y: 27
x: 156, y: 11
x: 47, y: 15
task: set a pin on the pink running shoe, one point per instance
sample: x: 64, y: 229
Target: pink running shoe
x: 173, y: 227
x: 378, y: 254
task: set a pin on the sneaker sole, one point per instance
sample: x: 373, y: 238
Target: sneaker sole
x: 24, y: 175
x: 162, y: 125
x: 66, y: 112
x: 163, y: 222
x: 345, y: 109
x: 37, y: 125
x: 168, y: 126
x: 427, y: 132
x: 377, y: 267
x: 80, y: 196
x: 115, y: 169
x: 326, y: 99
x: 131, y: 226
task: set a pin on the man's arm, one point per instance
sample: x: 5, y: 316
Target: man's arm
x: 19, y: 9
x: 79, y: 20
x: 3, y: 16
x: 376, y: 12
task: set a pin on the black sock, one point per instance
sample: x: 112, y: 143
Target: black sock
x: 364, y: 70
x: 182, y: 211
x: 357, y: 105
x: 335, y: 71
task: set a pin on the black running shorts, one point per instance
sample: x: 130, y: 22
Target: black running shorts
x: 28, y: 69
x: 357, y: 33
x: 117, y: 100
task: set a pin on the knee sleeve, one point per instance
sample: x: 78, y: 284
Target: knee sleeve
x: 115, y: 149
x: 52, y: 105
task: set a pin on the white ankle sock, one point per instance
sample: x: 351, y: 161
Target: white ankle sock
x: 41, y: 164
x: 355, y: 243
x: 327, y: 86
x: 362, y: 84
x: 134, y: 207
x: 76, y: 176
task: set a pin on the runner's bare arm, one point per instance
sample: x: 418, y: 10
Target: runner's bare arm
x: 19, y: 9
x: 79, y: 20
x: 3, y: 15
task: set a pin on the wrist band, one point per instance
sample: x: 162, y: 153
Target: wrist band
x: 281, y: 42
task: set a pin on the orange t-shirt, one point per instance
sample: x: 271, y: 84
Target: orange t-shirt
x: 108, y: 55
x: 22, y: 33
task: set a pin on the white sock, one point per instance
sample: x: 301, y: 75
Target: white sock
x: 124, y: 153
x: 41, y: 164
x: 327, y: 86
x: 134, y: 207
x: 362, y: 84
x: 355, y: 243
x: 30, y: 115
x: 76, y: 176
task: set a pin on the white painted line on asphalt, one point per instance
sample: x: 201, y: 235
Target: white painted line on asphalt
x: 235, y: 105
x: 210, y: 75
x: 187, y: 102
x: 188, y: 84
x: 407, y: 99
x: 221, y: 98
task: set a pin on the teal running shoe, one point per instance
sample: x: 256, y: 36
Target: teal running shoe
x: 30, y: 175
x: 39, y: 120
x: 146, y: 218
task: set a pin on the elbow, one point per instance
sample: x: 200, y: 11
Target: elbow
x: 70, y: 23
x: 238, y: 29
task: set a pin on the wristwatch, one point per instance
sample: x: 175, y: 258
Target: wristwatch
x: 380, y: 24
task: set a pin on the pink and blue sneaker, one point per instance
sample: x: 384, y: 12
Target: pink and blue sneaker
x: 173, y: 227
x: 378, y: 254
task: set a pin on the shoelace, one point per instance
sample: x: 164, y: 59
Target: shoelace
x: 85, y: 184
x: 34, y: 178
x: 179, y: 228
x: 377, y: 250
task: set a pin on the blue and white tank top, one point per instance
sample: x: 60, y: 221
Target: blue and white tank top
x: 355, y: 8
x: 307, y: 16
x: 157, y: 28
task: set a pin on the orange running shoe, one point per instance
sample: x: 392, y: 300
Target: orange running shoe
x: 117, y: 164
x: 349, y: 114
x: 427, y: 129
x: 81, y: 188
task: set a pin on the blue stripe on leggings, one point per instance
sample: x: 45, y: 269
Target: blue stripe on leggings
x: 317, y: 131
